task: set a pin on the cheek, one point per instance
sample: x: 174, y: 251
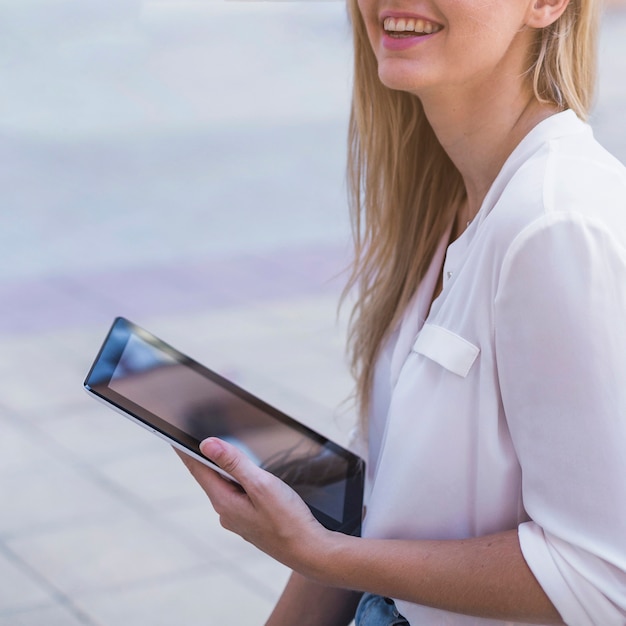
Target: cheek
x: 367, y: 13
x: 477, y: 21
x: 363, y: 8
x: 484, y: 38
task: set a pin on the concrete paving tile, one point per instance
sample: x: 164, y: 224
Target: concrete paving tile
x: 246, y: 562
x: 198, y: 521
x: 73, y: 347
x: 238, y: 334
x: 18, y: 588
x: 18, y: 451
x: 38, y: 358
x: 55, y: 615
x: 204, y: 598
x: 36, y: 375
x: 307, y: 314
x: 102, y: 555
x: 155, y: 476
x: 49, y: 494
x: 93, y: 433
x: 195, y: 334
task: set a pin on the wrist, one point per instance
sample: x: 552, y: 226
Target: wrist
x: 323, y: 561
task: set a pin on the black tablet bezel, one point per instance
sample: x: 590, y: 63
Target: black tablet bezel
x: 101, y: 372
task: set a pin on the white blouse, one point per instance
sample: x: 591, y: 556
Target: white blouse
x: 505, y: 407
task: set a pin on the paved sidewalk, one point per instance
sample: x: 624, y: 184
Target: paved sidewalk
x: 166, y: 162
x: 222, y: 231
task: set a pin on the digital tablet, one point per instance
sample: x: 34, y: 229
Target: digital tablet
x: 184, y: 402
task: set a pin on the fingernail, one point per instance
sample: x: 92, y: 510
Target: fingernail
x: 211, y: 447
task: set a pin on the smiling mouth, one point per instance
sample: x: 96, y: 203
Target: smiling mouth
x: 400, y: 27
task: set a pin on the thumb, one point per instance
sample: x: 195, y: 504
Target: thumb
x: 229, y: 458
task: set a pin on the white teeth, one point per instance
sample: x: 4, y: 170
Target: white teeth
x: 404, y: 24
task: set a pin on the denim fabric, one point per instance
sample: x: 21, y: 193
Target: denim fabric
x: 378, y: 611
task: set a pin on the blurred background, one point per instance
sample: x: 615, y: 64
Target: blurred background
x: 180, y: 163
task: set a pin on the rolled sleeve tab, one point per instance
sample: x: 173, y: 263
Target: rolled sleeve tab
x: 446, y: 348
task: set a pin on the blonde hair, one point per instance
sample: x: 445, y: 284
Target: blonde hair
x: 403, y: 188
x: 564, y: 67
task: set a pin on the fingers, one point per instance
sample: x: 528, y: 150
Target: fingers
x: 209, y: 479
x: 232, y: 461
x: 247, y: 477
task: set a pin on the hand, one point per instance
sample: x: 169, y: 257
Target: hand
x: 262, y: 509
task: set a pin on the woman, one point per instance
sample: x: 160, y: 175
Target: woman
x: 488, y: 339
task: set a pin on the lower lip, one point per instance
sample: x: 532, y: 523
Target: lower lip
x: 403, y: 43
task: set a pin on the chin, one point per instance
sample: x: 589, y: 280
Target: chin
x: 401, y: 76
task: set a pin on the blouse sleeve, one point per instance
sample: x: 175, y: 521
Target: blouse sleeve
x: 560, y: 331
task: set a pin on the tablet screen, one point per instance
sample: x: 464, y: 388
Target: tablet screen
x: 188, y: 402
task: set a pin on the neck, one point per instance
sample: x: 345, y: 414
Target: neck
x: 480, y: 132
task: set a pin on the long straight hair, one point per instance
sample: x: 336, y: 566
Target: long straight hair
x: 403, y: 188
